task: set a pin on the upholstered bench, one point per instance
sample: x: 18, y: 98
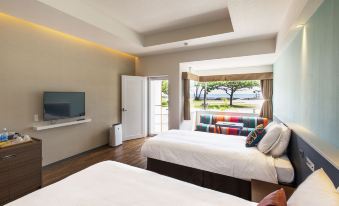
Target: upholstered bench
x: 207, y: 124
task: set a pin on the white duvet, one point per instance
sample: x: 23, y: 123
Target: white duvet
x: 222, y: 154
x: 111, y: 183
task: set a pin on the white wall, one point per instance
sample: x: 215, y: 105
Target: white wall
x: 33, y: 60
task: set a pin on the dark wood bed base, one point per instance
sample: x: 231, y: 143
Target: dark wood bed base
x: 230, y: 185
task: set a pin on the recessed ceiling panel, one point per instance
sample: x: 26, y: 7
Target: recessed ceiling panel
x: 145, y: 27
x: 152, y: 16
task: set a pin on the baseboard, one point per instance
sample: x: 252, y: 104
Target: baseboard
x: 74, y: 156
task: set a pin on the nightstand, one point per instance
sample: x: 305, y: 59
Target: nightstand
x: 260, y: 189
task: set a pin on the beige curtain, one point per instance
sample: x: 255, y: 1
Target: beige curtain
x: 187, y: 106
x: 267, y: 93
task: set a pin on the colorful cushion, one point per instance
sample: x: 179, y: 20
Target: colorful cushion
x: 218, y: 118
x: 276, y: 198
x: 249, y: 121
x: 261, y: 120
x: 245, y: 131
x: 230, y: 131
x: 202, y: 127
x: 206, y: 128
x: 208, y: 121
x: 206, y: 118
x: 255, y: 136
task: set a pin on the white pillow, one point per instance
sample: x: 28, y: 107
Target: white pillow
x: 270, y: 139
x: 317, y: 190
x: 282, y: 144
x: 270, y: 125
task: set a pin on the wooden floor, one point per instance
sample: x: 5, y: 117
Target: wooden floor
x: 128, y: 153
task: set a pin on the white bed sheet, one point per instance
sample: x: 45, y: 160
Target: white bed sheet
x: 111, y: 183
x: 217, y: 153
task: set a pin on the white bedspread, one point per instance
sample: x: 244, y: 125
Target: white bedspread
x: 110, y: 183
x: 222, y: 154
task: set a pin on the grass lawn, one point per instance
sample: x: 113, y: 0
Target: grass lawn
x: 221, y: 104
x: 164, y: 102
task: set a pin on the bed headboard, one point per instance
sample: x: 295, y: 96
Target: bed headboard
x: 298, y: 150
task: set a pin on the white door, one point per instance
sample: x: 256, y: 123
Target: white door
x: 134, y: 107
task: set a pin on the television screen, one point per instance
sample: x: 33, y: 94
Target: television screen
x: 61, y: 105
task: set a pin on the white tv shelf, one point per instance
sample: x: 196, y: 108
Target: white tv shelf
x: 47, y: 125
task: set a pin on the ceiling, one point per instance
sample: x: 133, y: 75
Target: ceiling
x: 151, y: 16
x: 234, y: 65
x: 147, y: 27
x: 230, y: 63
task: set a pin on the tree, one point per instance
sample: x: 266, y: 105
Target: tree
x: 199, y: 87
x: 164, y: 87
x: 208, y: 87
x: 230, y: 87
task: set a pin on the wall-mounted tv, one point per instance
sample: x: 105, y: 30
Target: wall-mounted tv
x: 62, y: 105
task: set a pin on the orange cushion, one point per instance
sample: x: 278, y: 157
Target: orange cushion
x: 276, y: 198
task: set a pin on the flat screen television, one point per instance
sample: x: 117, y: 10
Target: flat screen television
x: 62, y: 105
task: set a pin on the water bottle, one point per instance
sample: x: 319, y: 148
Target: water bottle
x: 4, y: 135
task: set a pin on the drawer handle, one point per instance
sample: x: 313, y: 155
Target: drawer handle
x: 8, y: 157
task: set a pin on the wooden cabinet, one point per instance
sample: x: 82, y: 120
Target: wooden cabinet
x: 260, y: 189
x: 20, y: 170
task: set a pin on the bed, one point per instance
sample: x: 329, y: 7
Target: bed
x: 113, y: 183
x: 215, y: 158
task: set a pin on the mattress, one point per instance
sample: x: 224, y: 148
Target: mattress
x: 217, y: 153
x: 284, y: 168
x: 111, y: 183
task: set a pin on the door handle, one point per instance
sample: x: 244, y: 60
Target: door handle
x: 8, y: 157
x: 124, y: 110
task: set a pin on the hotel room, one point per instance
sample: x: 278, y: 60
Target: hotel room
x: 190, y: 102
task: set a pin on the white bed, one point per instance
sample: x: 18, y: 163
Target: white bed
x: 217, y: 153
x: 112, y: 183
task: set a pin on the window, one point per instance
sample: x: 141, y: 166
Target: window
x: 229, y: 96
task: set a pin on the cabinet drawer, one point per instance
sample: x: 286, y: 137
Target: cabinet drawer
x: 4, y: 173
x: 25, y: 160
x: 4, y: 178
x: 26, y: 148
x: 4, y: 194
x: 25, y: 186
x: 20, y: 170
x: 25, y: 174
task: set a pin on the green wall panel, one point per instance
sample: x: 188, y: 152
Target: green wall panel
x: 306, y: 76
